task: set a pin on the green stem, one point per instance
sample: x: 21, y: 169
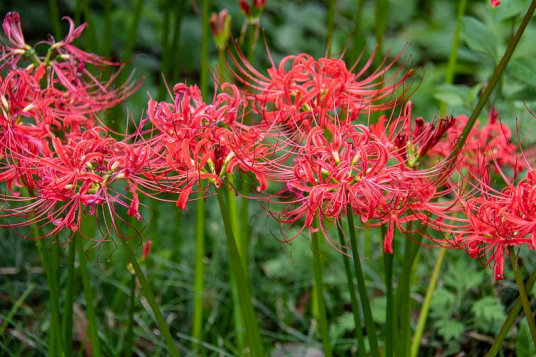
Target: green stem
x: 252, y: 328
x: 425, y: 309
x: 523, y: 294
x: 451, y: 66
x: 133, y: 31
x: 389, y: 325
x: 174, y: 71
x: 330, y: 19
x: 107, y: 40
x: 362, y: 288
x: 88, y: 294
x: 68, y: 304
x: 55, y: 17
x: 55, y: 327
x: 146, y: 288
x: 492, y: 83
x: 380, y: 27
x: 165, y: 54
x: 203, y: 82
x: 403, y: 299
x: 199, y: 269
x: 353, y: 297
x: 319, y: 290
x: 511, y: 319
x: 357, y: 39
x: 130, y: 329
x: 235, y: 224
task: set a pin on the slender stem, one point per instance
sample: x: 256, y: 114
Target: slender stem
x: 55, y: 17
x: 511, y: 319
x: 425, y: 309
x: 88, y: 294
x: 330, y: 19
x: 200, y: 204
x: 523, y: 294
x: 380, y: 26
x: 403, y: 298
x: 492, y: 83
x: 362, y: 288
x: 92, y: 44
x: 319, y: 290
x: 199, y: 271
x: 252, y: 328
x: 235, y: 224
x: 166, y: 53
x: 107, y: 40
x: 130, y: 329
x: 174, y: 71
x: 357, y: 39
x: 389, y: 325
x: 55, y: 327
x: 451, y: 67
x: 133, y: 30
x: 68, y: 304
x: 353, y: 297
x: 203, y: 82
x: 146, y: 288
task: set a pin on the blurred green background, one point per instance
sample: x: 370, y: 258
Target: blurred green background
x: 468, y: 307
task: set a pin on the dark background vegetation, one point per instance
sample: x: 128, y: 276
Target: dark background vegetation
x: 468, y: 307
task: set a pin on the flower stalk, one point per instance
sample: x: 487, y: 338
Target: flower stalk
x: 319, y: 291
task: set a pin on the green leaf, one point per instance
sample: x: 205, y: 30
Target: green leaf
x: 449, y: 329
x: 527, y: 94
x: 452, y: 94
x: 344, y: 324
x: 378, y: 307
x: 508, y: 9
x: 478, y: 37
x: 489, y: 312
x: 462, y: 276
x: 524, y: 70
x: 524, y: 344
x: 442, y: 303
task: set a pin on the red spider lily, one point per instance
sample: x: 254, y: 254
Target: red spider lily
x: 13, y: 31
x: 78, y: 180
x: 320, y: 92
x: 488, y: 143
x: 411, y: 140
x: 495, y: 3
x: 70, y: 85
x: 351, y: 170
x: 198, y: 141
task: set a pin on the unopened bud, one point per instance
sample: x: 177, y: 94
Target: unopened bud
x: 252, y: 13
x: 146, y: 250
x: 220, y: 25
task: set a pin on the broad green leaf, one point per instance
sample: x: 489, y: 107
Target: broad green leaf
x: 523, y: 69
x: 449, y: 329
x: 478, y: 37
x: 528, y: 95
x: 452, y: 94
x: 508, y: 9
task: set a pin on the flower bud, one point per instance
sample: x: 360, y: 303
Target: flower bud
x: 220, y: 25
x: 252, y: 13
x: 146, y: 249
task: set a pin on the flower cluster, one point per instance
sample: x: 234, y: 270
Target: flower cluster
x: 303, y: 127
x: 53, y: 148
